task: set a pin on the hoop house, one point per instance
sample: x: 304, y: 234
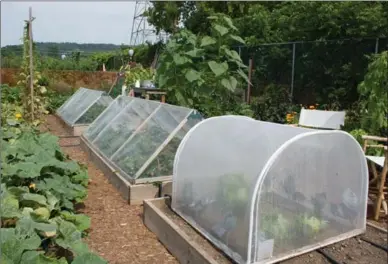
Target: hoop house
x: 83, y: 107
x: 139, y: 137
x: 265, y: 192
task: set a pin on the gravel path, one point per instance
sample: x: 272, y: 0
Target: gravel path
x: 117, y: 233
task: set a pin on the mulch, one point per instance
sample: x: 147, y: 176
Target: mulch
x: 117, y: 231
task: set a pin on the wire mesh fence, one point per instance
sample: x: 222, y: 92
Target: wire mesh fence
x: 312, y: 71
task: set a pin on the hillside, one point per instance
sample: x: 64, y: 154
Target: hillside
x: 55, y: 48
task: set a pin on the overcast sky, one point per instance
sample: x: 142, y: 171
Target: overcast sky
x: 85, y: 22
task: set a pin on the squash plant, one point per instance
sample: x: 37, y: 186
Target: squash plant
x: 203, y: 72
x: 39, y: 187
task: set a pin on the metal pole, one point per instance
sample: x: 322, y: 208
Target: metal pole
x: 31, y: 64
x: 377, y: 46
x: 293, y: 71
x: 248, y: 97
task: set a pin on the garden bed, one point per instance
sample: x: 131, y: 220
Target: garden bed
x: 133, y: 193
x: 189, y: 246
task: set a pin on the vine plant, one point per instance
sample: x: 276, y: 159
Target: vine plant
x: 39, y: 100
x: 374, y: 90
x: 202, y: 71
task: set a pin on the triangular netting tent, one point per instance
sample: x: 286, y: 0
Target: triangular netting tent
x: 84, y: 106
x: 264, y: 192
x: 139, y: 137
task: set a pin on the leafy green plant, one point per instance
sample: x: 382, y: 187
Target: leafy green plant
x: 132, y: 74
x: 358, y: 133
x: 39, y: 100
x: 91, y: 114
x: 202, y: 72
x: 374, y: 90
x: 233, y: 190
x: 272, y: 104
x: 10, y: 94
x: 55, y: 100
x: 39, y: 187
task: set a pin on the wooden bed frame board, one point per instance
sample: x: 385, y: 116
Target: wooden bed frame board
x: 76, y: 130
x: 133, y: 193
x: 186, y: 251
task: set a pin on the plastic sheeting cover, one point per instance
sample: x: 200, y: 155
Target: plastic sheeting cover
x: 257, y: 190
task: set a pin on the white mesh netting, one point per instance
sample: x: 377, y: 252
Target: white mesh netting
x: 260, y: 191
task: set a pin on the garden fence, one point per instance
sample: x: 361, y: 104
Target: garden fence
x: 307, y: 69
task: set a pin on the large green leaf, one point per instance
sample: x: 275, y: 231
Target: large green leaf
x: 221, y: 29
x: 192, y: 75
x: 179, y: 59
x: 33, y: 200
x: 79, y: 248
x: 52, y: 201
x: 41, y: 214
x: 88, y: 258
x: 229, y: 21
x: 81, y: 221
x: 230, y: 83
x: 206, y: 41
x: 18, y: 191
x: 36, y: 257
x: 68, y: 234
x: 162, y: 80
x: 218, y: 68
x: 16, y: 243
x: 22, y: 169
x: 194, y: 53
x: 9, y: 205
x: 232, y: 54
x: 243, y: 75
x: 48, y: 142
x: 238, y: 39
x: 81, y: 177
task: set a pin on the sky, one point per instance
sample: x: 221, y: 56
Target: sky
x: 81, y: 22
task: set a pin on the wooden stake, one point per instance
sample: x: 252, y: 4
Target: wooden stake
x: 31, y: 64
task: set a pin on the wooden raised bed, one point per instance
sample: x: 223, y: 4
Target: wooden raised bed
x: 132, y: 192
x: 76, y: 130
x: 189, y: 246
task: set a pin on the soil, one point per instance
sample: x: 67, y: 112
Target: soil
x: 117, y: 231
x: 118, y: 234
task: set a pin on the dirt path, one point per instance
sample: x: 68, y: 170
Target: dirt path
x: 117, y: 233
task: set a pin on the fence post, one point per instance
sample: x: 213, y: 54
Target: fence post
x: 293, y: 70
x: 377, y: 46
x: 250, y: 80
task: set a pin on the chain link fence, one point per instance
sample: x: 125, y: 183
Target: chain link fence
x: 312, y: 71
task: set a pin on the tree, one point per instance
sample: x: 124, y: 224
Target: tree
x: 53, y: 51
x: 373, y: 90
x: 165, y: 16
